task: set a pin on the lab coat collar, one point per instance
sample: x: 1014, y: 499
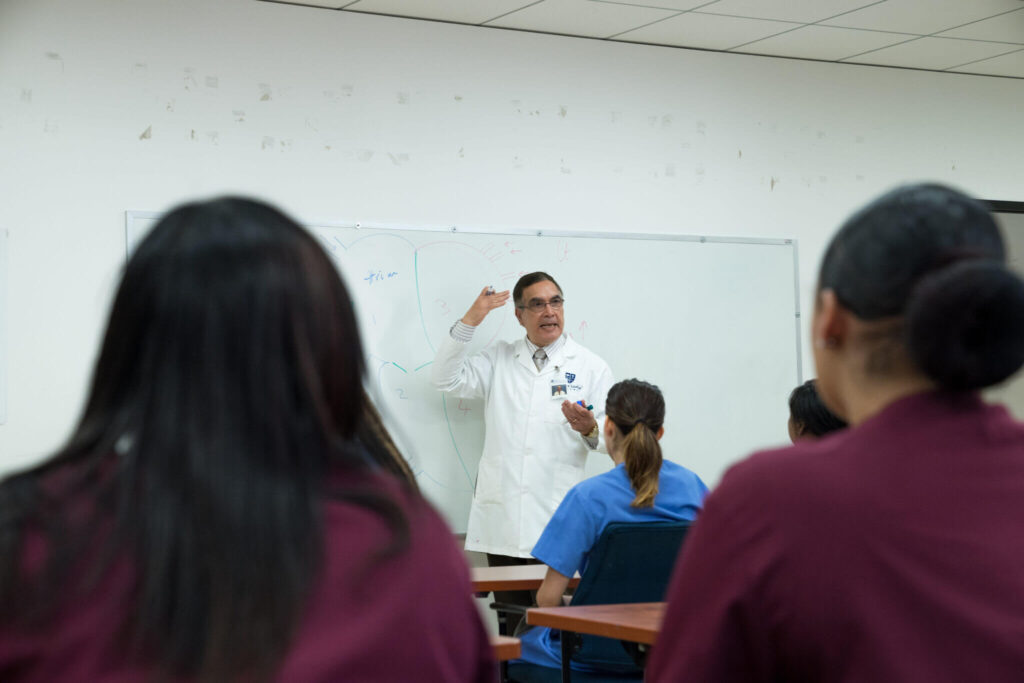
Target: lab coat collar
x: 525, y: 357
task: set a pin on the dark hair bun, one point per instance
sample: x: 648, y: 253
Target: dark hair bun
x: 965, y: 324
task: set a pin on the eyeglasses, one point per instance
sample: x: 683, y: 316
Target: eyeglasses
x: 538, y: 306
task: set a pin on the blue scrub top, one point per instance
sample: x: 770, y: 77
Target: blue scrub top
x: 583, y: 514
x: 594, y: 503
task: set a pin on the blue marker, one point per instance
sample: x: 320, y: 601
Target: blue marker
x: 582, y: 405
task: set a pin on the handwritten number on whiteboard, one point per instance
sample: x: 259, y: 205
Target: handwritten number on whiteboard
x: 401, y: 394
x: 464, y: 409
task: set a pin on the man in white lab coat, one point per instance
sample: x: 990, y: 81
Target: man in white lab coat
x: 544, y: 397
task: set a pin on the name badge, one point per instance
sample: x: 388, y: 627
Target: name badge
x: 559, y: 388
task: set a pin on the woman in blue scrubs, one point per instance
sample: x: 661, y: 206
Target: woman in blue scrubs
x: 642, y: 487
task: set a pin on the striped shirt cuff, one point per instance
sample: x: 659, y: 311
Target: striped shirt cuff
x: 461, y: 332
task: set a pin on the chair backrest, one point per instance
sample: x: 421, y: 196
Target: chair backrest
x: 631, y: 562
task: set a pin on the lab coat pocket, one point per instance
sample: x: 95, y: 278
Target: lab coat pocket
x: 565, y: 477
x: 488, y: 481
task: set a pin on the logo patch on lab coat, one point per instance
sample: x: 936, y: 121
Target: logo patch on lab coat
x: 569, y: 377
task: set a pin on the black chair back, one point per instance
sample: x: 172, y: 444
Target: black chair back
x: 631, y: 562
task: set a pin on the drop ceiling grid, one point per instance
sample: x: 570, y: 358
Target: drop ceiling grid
x: 975, y: 36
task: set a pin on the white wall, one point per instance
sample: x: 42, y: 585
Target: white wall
x: 107, y: 105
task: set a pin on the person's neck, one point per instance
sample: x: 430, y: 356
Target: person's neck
x: 617, y: 457
x: 866, y: 399
x: 539, y: 345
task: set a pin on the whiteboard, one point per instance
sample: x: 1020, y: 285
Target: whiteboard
x: 713, y: 321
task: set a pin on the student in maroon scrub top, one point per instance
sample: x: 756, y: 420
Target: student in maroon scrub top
x: 892, y: 551
x: 229, y: 506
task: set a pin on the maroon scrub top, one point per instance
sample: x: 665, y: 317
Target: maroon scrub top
x: 893, y: 551
x: 412, y: 618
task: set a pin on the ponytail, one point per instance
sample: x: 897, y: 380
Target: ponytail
x: 643, y: 463
x: 638, y: 409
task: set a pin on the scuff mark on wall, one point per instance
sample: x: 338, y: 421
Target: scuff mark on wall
x: 702, y: 128
x: 26, y: 95
x: 170, y: 105
x: 189, y: 79
x: 147, y: 134
x: 239, y: 115
x: 399, y: 159
x: 774, y: 182
x: 670, y: 170
x: 266, y: 92
x: 403, y: 97
x: 51, y: 127
x: 666, y: 121
x: 212, y: 82
x: 56, y: 59
x: 140, y: 69
x: 458, y: 98
x: 267, y: 143
x: 214, y: 137
x: 563, y: 111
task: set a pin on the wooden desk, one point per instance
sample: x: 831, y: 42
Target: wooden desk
x: 523, y: 577
x: 506, y: 647
x: 635, y: 623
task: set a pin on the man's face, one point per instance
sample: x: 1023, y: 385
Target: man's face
x: 543, y: 323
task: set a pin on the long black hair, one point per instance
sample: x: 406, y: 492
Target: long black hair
x: 227, y: 394
x: 928, y: 265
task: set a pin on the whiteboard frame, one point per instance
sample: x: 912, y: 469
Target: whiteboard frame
x: 132, y: 216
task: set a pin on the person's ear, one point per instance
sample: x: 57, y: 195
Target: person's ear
x: 830, y: 326
x: 660, y: 433
x: 519, y: 315
x: 609, y: 429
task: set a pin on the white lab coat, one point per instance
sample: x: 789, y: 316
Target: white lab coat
x: 531, y: 457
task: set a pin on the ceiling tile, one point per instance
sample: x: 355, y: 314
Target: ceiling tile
x: 1008, y: 28
x: 475, y: 12
x: 801, y: 11
x: 681, y: 5
x: 708, y: 31
x: 918, y: 16
x: 1005, y: 65
x: 328, y: 4
x: 824, y: 42
x: 581, y: 18
x: 933, y: 53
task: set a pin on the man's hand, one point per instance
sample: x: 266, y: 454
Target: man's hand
x: 580, y: 419
x: 484, y: 304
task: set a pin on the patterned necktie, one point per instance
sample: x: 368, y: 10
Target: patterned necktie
x: 540, y: 359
